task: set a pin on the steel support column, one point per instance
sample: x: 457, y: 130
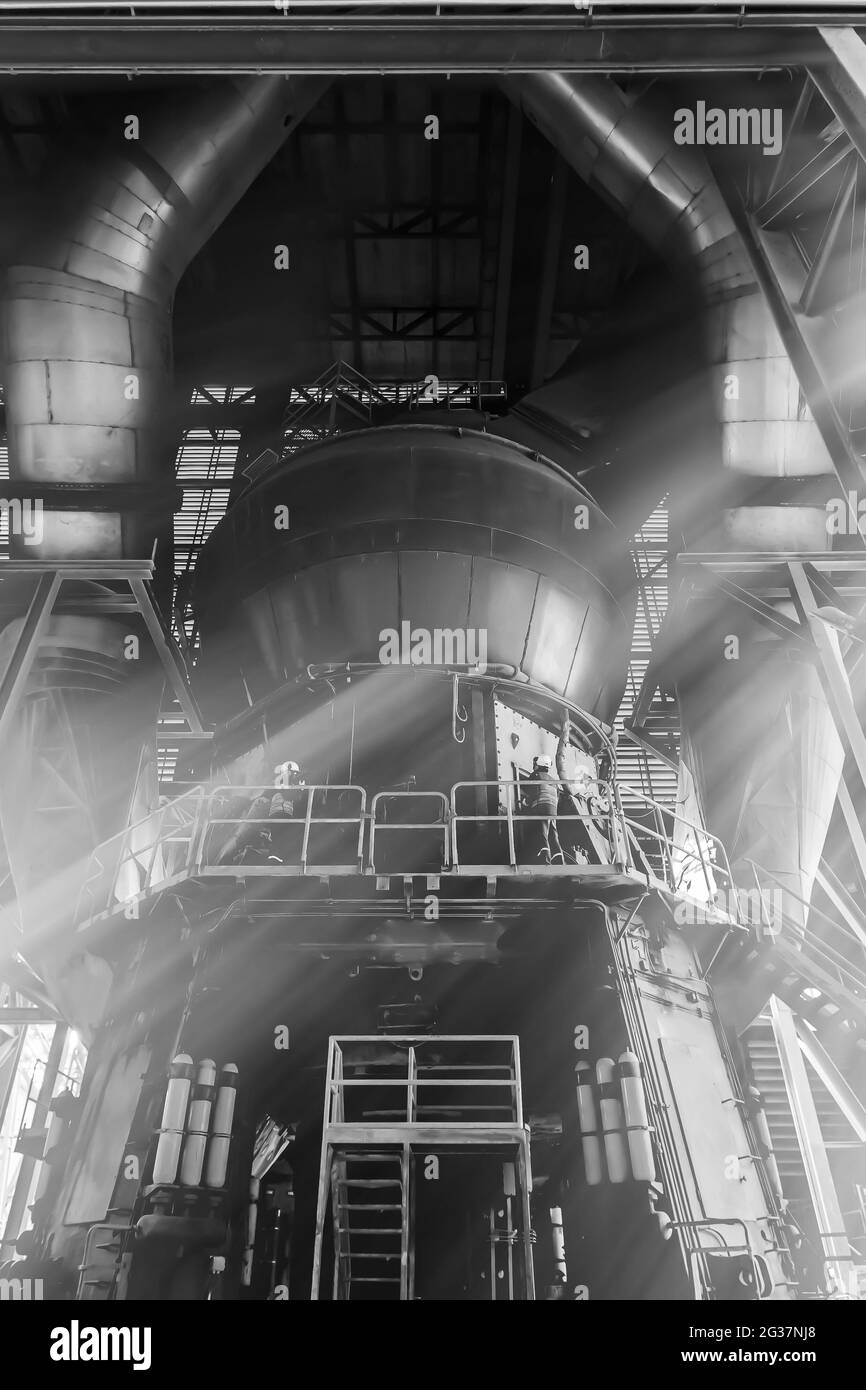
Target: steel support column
x: 27, y: 646
x: 826, y: 1069
x: 834, y: 676
x: 8, y: 1072
x: 853, y: 826
x: 841, y: 900
x: 15, y: 1219
x: 789, y: 322
x: 825, y: 1200
x: 842, y: 81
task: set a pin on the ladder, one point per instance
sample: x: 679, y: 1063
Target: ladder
x: 389, y: 1101
x: 370, y: 1206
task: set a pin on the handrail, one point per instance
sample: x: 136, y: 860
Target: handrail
x: 812, y: 909
x: 624, y: 837
x: 508, y: 814
x: 309, y: 794
x: 143, y: 856
x: 413, y: 1066
x: 702, y: 835
x: 441, y: 824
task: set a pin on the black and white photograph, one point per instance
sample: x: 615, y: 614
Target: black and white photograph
x: 432, y: 671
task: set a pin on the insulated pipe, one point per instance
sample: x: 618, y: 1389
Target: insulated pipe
x: 558, y: 1237
x: 56, y: 1126
x: 765, y: 1139
x: 86, y: 311
x: 85, y: 342
x: 668, y: 195
x: 770, y: 450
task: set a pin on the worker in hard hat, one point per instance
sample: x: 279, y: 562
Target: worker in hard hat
x: 253, y: 842
x: 287, y: 803
x: 580, y: 801
x: 541, y: 800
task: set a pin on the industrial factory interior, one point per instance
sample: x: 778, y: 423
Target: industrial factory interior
x: 433, y: 652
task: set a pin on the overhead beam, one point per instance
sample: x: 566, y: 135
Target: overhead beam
x: 358, y: 44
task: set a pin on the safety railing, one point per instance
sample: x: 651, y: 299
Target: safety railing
x: 157, y: 848
x: 816, y: 957
x: 385, y: 806
x: 441, y: 1080
x: 328, y: 828
x: 257, y: 837
x: 688, y: 859
x: 517, y: 820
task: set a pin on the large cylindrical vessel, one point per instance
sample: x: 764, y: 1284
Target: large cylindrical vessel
x: 450, y: 531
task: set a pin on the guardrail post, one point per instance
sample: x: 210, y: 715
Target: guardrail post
x: 307, y: 818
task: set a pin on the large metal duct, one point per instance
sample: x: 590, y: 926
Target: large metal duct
x: 776, y: 475
x: 439, y: 527
x: 87, y: 305
x: 86, y: 349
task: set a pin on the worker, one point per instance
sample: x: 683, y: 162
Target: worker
x: 541, y: 801
x: 584, y: 840
x: 287, y: 803
x: 253, y: 842
x: 249, y: 842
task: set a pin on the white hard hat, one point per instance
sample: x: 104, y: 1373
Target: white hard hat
x: 287, y: 767
x: 543, y: 761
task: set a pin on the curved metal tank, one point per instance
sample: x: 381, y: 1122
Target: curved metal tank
x: 438, y: 527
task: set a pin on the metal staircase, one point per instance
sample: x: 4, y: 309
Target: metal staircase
x: 819, y: 970
x: 454, y: 1095
x: 370, y: 1206
x: 765, y: 1071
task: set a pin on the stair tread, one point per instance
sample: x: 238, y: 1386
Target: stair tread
x: 374, y: 1279
x: 370, y: 1231
x: 369, y: 1182
x: 367, y: 1206
x: 365, y: 1255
